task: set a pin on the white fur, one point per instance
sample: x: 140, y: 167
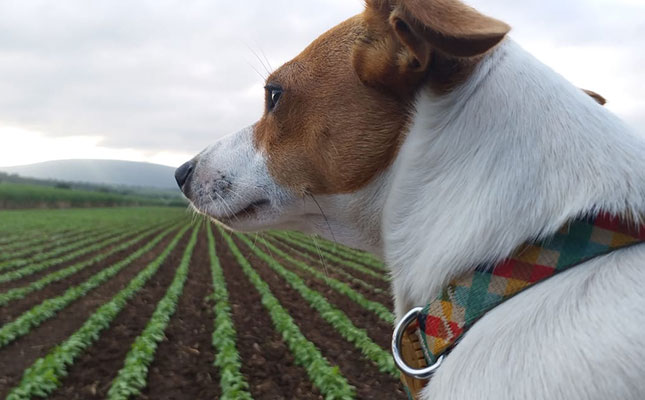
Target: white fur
x: 510, y: 156
x: 577, y: 336
x: 513, y: 155
x: 229, y: 176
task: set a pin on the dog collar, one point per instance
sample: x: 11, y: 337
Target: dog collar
x: 426, y: 334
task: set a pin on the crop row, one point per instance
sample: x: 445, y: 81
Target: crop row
x: 45, y: 375
x: 9, y: 239
x: 70, y: 246
x: 50, y: 307
x: 21, y: 292
x: 335, y: 317
x: 377, y: 308
x: 50, y: 262
x: 233, y: 384
x: 380, y: 275
x: 343, y: 251
x: 331, y: 383
x: 339, y: 270
x: 35, y: 244
x: 131, y: 379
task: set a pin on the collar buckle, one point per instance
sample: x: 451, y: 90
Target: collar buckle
x: 397, y: 338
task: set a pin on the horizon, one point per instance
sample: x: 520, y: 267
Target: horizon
x: 84, y: 159
x: 131, y: 81
x: 97, y: 172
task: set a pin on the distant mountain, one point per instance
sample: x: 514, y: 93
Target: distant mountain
x: 107, y: 172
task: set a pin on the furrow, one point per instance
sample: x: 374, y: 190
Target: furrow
x: 382, y: 275
x: 35, y: 268
x: 45, y: 375
x: 50, y: 307
x: 131, y: 379
x: 234, y: 385
x: 38, y: 246
x: 377, y: 308
x: 337, y: 270
x: 342, y: 251
x: 324, y: 376
x: 58, y: 251
x: 335, y: 317
x: 21, y: 292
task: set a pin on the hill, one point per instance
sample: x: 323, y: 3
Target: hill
x: 104, y: 172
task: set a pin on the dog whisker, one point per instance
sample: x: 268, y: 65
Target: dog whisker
x: 331, y: 232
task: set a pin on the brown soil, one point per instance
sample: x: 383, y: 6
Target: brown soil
x: 378, y: 330
x: 22, y: 244
x: 4, y: 286
x: 379, y: 283
x: 15, y: 308
x: 382, y: 298
x: 183, y: 366
x: 370, y: 383
x: 19, y: 355
x: 267, y: 362
x: 92, y: 373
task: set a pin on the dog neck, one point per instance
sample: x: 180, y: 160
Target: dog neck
x: 510, y: 156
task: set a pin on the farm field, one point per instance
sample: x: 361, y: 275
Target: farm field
x: 25, y: 195
x: 153, y: 303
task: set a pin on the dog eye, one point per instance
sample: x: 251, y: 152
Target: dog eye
x: 274, y: 94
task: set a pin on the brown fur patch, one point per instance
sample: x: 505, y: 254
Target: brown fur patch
x: 347, y: 97
x: 455, y: 28
x: 330, y: 133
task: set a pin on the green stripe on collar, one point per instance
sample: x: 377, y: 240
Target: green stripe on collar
x: 444, y: 321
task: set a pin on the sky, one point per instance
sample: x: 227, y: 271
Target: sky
x: 158, y: 81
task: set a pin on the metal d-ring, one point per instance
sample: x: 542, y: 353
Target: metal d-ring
x: 397, y: 337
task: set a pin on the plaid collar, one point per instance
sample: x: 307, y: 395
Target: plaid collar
x: 441, y: 324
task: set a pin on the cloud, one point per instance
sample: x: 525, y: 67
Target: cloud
x: 154, y: 75
x: 163, y: 76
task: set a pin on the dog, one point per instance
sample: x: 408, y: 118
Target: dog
x: 420, y: 131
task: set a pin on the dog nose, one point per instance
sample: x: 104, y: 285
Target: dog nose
x: 183, y: 173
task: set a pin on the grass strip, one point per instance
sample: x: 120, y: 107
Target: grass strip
x: 340, y: 271
x: 132, y: 378
x: 342, y: 251
x: 355, y: 266
x: 21, y: 292
x: 45, y: 375
x: 331, y: 383
x: 335, y: 317
x: 50, y: 307
x: 377, y: 308
x: 233, y: 384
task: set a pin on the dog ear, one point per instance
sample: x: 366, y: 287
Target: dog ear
x: 448, y: 25
x: 404, y: 37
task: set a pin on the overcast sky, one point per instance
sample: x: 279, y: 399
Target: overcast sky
x: 159, y: 80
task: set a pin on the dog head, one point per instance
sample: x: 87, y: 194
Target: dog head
x: 337, y: 114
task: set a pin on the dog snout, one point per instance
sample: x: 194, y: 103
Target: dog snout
x: 183, y: 175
